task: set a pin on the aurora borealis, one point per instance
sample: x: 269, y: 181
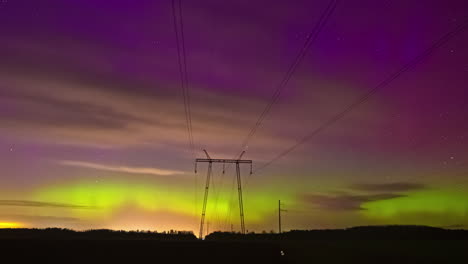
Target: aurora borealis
x: 92, y: 125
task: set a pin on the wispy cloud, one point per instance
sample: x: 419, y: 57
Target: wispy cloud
x: 28, y: 203
x: 388, y: 187
x: 361, y: 193
x: 134, y: 170
x: 345, y: 201
x: 39, y: 218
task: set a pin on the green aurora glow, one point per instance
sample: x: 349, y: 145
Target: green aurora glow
x: 430, y: 206
x: 100, y: 201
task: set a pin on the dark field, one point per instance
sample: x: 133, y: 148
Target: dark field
x: 342, y: 246
x: 144, y: 251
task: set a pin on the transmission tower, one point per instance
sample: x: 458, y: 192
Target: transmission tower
x: 210, y: 162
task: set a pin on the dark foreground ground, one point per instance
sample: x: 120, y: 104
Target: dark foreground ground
x: 146, y: 251
x: 306, y: 247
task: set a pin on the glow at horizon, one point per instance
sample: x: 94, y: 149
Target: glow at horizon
x: 101, y: 200
x: 10, y: 225
x: 93, y: 132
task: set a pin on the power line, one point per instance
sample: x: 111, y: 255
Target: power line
x: 292, y: 69
x: 290, y: 72
x: 228, y: 218
x: 182, y: 63
x: 184, y: 56
x: 217, y: 194
x: 440, y: 42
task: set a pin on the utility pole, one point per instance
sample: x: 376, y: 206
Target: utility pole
x: 279, y: 215
x: 210, y: 162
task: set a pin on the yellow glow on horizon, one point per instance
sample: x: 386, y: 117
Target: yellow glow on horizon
x: 10, y: 225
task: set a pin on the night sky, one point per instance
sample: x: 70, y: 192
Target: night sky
x: 93, y: 130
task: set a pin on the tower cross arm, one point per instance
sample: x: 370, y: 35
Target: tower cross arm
x: 224, y: 161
